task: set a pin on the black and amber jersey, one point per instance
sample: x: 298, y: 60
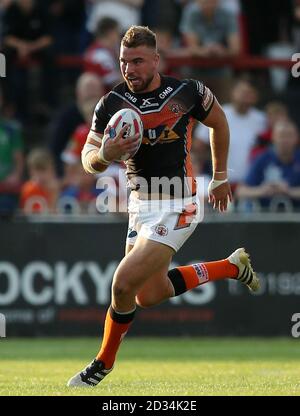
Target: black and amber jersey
x: 168, y: 115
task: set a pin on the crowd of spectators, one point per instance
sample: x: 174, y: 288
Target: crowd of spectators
x: 264, y: 162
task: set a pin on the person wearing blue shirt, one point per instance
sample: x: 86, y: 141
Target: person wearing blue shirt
x: 274, y: 176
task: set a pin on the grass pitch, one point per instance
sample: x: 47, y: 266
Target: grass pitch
x: 150, y: 366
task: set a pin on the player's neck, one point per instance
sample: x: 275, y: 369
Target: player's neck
x: 154, y: 84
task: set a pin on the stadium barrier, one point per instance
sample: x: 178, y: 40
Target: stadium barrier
x: 71, y: 206
x: 55, y: 279
x: 176, y: 60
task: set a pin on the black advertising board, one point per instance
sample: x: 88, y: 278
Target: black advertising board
x: 55, y: 280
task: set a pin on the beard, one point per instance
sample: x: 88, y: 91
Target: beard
x: 144, y: 84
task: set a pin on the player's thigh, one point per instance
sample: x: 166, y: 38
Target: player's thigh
x: 146, y: 258
x: 128, y: 248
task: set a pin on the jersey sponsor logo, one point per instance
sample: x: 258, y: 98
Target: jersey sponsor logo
x: 147, y: 103
x: 161, y: 230
x: 166, y: 92
x: 159, y: 134
x: 200, y: 87
x: 207, y: 99
x: 130, y: 97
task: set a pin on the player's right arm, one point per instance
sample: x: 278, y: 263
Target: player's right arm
x: 90, y: 158
x: 97, y: 154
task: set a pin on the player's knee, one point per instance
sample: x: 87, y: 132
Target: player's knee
x: 121, y: 290
x: 145, y: 301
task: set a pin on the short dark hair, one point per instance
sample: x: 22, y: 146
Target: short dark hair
x: 139, y: 36
x: 106, y: 25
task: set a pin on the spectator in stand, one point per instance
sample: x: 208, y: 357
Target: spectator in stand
x: 72, y: 152
x: 165, y: 47
x: 26, y: 38
x: 89, y: 88
x: 245, y: 123
x: 276, y: 172
x: 209, y: 31
x: 126, y: 12
x: 40, y: 193
x: 275, y: 111
x: 102, y: 57
x: 11, y: 165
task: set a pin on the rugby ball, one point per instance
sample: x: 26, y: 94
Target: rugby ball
x: 119, y: 120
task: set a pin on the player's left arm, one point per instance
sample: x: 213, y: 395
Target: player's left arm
x: 219, y: 190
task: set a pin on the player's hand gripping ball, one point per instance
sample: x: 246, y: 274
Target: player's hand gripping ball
x: 128, y: 123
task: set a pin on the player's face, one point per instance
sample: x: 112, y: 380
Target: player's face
x: 139, y: 67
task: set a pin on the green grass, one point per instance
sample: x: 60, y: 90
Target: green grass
x: 148, y: 366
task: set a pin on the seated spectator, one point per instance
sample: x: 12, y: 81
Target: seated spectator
x: 72, y: 152
x: 81, y: 190
x: 275, y: 111
x: 209, y: 31
x: 26, y: 38
x: 89, y: 88
x: 11, y: 166
x: 39, y: 194
x: 274, y: 176
x: 245, y: 123
x: 101, y: 57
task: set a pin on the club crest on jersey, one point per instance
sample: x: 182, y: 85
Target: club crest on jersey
x: 161, y: 230
x: 176, y: 108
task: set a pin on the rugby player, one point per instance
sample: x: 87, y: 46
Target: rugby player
x: 168, y: 109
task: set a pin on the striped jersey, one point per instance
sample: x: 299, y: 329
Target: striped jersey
x: 168, y: 115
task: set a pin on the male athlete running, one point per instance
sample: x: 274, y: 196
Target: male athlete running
x: 168, y: 109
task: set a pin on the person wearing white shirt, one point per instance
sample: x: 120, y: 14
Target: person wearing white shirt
x: 245, y: 123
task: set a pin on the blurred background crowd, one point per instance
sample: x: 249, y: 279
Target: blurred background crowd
x: 62, y: 56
